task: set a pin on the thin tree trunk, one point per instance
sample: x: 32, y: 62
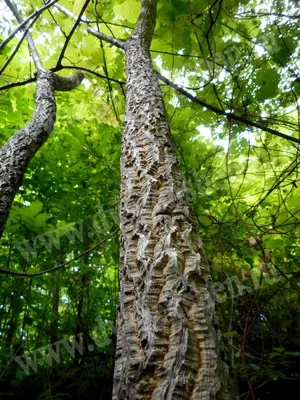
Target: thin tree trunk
x: 18, y: 151
x: 167, y: 345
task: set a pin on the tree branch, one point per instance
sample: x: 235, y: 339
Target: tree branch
x: 58, y: 266
x: 30, y: 41
x: 116, y: 42
x: 226, y: 114
x: 77, y: 22
x: 210, y: 107
x: 20, y: 148
x: 248, y: 15
x: 3, y: 68
x: 15, y: 84
x: 62, y: 83
x: 22, y: 25
x: 121, y: 45
x: 89, y: 71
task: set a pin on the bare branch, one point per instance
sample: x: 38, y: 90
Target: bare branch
x: 77, y: 22
x: 58, y: 266
x: 15, y: 84
x: 30, y: 41
x: 25, y: 82
x: 121, y: 44
x: 23, y: 24
x: 226, y: 114
x: 64, y: 84
x: 116, y: 42
x: 248, y: 15
x: 89, y: 71
x: 216, y: 110
x: 3, y: 68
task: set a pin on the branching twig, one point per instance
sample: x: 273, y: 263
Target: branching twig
x: 30, y: 41
x: 3, y: 68
x: 116, y: 42
x: 15, y: 84
x: 58, y: 266
x: 56, y: 69
x: 228, y: 115
x: 34, y: 15
x: 77, y: 22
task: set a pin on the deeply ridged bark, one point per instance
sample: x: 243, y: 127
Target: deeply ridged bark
x: 166, y: 346
x: 18, y: 151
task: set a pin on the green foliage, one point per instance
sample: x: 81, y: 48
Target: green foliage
x: 243, y: 182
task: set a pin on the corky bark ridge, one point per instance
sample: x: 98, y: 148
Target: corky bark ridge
x: 167, y: 344
x: 19, y: 149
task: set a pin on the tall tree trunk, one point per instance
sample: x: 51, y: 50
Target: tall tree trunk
x: 166, y: 346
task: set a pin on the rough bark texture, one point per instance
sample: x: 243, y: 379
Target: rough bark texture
x: 166, y: 346
x: 17, y: 152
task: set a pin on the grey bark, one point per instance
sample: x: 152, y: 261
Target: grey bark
x: 18, y: 151
x: 167, y: 344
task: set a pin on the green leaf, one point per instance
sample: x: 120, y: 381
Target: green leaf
x: 287, y: 47
x: 279, y: 349
x: 231, y: 334
x: 292, y: 353
x: 267, y: 81
x: 249, y: 260
x: 36, y: 207
x: 128, y: 10
x: 180, y: 7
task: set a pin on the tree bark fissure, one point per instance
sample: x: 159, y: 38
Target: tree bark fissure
x: 18, y: 151
x: 166, y: 346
